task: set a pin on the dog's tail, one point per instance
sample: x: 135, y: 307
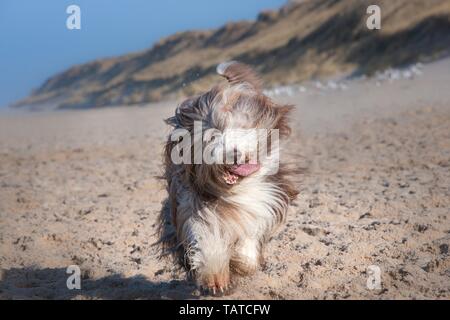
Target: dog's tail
x: 238, y: 73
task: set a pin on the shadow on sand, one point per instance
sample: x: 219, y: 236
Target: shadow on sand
x: 48, y: 283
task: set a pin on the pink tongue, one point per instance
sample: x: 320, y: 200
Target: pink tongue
x: 244, y: 170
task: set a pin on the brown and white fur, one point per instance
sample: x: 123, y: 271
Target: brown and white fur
x: 218, y: 226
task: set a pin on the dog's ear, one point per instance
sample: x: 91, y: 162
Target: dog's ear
x: 193, y: 109
x: 239, y: 74
x: 282, y: 119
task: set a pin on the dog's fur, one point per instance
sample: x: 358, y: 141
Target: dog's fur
x: 216, y: 226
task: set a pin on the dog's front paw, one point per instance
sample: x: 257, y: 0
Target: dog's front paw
x: 216, y: 284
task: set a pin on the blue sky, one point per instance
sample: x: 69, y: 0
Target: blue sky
x: 35, y: 43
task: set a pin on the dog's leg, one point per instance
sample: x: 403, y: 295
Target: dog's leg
x: 208, y: 250
x: 246, y: 256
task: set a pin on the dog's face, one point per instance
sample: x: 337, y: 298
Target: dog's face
x: 239, y: 127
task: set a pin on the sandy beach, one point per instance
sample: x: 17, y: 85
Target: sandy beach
x: 82, y: 187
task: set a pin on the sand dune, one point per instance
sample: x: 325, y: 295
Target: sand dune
x: 301, y: 40
x: 80, y: 187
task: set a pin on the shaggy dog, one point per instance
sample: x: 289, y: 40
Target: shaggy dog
x: 219, y: 213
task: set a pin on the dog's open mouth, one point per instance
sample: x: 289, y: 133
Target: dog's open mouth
x: 240, y: 170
